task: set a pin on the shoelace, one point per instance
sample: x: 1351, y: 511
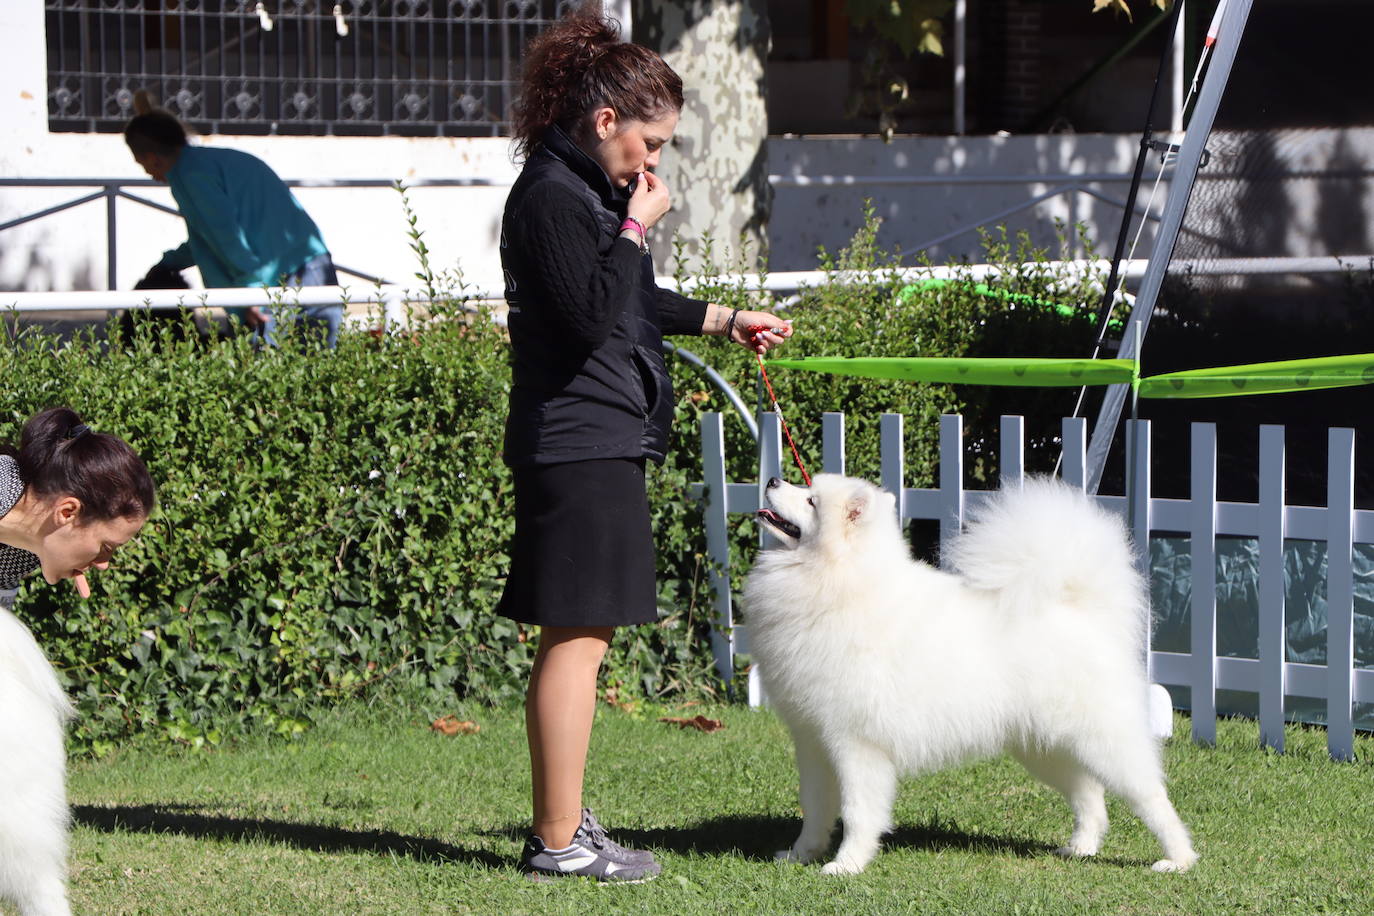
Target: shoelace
x: 596, y: 833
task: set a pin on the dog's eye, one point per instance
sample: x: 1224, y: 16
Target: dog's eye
x: 811, y: 501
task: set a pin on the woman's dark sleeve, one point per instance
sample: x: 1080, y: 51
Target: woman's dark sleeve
x: 677, y: 314
x: 580, y: 290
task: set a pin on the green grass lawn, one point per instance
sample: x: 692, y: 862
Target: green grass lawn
x: 373, y: 812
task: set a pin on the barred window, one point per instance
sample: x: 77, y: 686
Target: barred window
x: 356, y: 67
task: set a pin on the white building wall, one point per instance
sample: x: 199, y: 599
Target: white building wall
x: 925, y: 188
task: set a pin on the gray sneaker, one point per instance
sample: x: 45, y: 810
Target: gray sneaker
x: 585, y: 857
x: 591, y: 828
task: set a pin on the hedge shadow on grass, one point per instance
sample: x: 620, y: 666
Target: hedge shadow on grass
x: 176, y: 819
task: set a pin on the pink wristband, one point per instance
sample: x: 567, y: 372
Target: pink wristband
x: 637, y: 227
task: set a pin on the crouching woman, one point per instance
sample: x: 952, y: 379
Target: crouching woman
x: 69, y: 497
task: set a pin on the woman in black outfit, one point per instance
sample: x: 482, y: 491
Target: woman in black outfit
x: 591, y: 398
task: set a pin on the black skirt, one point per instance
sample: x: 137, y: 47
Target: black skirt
x: 583, y: 554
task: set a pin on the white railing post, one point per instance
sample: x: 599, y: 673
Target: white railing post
x: 892, y: 449
x: 1340, y: 594
x: 832, y: 443
x: 1203, y: 540
x: 1075, y: 461
x: 1012, y: 451
x: 716, y: 511
x: 770, y: 465
x: 770, y: 451
x: 1138, y: 489
x: 951, y: 481
x: 1273, y: 641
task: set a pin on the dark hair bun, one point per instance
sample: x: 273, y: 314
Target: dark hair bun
x: 61, y: 456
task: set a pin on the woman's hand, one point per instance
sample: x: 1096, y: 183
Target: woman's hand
x: 759, y: 331
x: 650, y: 200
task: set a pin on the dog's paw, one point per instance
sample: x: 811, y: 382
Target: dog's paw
x: 839, y: 867
x: 1073, y: 851
x: 1174, y: 865
x: 801, y: 857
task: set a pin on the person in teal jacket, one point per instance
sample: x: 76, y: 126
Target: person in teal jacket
x: 245, y: 227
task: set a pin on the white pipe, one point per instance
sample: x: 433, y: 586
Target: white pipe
x: 392, y: 298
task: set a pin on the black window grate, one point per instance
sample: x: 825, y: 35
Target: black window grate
x: 361, y: 67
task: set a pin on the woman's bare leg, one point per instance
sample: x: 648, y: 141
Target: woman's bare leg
x: 559, y: 709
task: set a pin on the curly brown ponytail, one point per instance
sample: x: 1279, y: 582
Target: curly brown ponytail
x: 578, y: 65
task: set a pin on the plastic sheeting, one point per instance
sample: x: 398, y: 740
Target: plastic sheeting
x: 1237, y: 581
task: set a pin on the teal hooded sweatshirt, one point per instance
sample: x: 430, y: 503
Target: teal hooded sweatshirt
x: 244, y: 225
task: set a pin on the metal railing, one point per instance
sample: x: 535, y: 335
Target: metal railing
x: 111, y: 190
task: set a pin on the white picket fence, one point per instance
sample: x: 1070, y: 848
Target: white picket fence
x: 1271, y: 676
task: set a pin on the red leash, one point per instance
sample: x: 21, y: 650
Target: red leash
x: 754, y: 332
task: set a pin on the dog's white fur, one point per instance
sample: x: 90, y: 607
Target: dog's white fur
x: 882, y: 665
x: 33, y: 794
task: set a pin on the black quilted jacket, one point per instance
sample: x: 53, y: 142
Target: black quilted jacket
x: 586, y: 318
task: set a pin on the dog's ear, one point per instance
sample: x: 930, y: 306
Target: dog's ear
x: 857, y: 504
x: 864, y: 500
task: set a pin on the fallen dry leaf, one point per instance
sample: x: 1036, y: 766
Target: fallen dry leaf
x: 451, y: 725
x: 612, y: 698
x: 700, y: 723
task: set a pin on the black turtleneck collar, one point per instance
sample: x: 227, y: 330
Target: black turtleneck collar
x: 560, y: 145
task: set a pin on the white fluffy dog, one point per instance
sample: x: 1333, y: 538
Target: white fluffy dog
x: 33, y: 816
x: 882, y: 665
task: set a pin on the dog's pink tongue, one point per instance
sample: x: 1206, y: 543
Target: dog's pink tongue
x: 83, y: 587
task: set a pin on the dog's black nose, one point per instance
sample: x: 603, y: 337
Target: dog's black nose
x: 774, y: 482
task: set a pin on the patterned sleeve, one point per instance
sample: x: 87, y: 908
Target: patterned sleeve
x: 15, y: 564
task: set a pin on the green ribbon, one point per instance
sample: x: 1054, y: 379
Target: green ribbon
x: 1061, y: 373
x: 1223, y: 381
x: 1263, y: 378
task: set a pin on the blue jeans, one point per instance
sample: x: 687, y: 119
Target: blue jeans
x: 318, y: 271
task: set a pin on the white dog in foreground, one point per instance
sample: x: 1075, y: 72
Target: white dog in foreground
x: 33, y: 762
x: 882, y: 665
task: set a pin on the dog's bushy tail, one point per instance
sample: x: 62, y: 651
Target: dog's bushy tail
x: 1046, y: 541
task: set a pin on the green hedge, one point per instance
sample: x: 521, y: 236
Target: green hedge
x: 333, y: 521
